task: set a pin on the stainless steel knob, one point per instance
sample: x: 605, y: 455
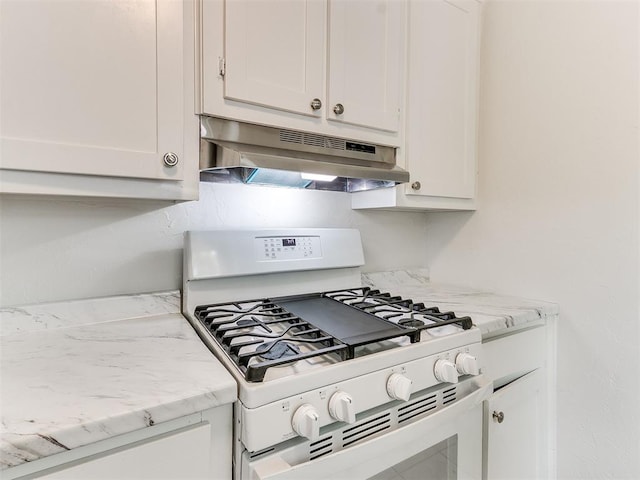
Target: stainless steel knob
x: 338, y: 109
x: 416, y: 185
x: 170, y: 159
x: 316, y: 104
x: 498, y: 417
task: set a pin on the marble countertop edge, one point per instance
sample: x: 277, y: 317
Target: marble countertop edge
x: 19, y: 320
x: 18, y: 448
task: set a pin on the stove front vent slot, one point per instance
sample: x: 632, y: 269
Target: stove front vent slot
x: 261, y: 452
x: 417, y: 408
x: 449, y: 396
x: 321, y: 447
x: 366, y: 429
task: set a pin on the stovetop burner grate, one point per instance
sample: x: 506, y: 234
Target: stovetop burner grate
x: 399, y: 310
x: 261, y: 334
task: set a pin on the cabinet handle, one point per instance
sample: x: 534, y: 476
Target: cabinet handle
x: 316, y: 104
x: 338, y: 109
x: 498, y: 417
x: 416, y: 186
x: 170, y: 159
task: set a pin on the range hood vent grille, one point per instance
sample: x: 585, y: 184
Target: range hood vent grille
x: 304, y: 138
x: 234, y: 151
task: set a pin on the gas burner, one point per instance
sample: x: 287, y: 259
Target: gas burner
x: 277, y: 349
x: 411, y: 322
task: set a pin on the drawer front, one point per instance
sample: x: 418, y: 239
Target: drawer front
x: 515, y: 354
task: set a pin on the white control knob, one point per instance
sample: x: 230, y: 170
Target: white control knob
x: 306, y: 422
x: 446, y: 371
x: 467, y: 364
x: 399, y: 387
x: 341, y: 407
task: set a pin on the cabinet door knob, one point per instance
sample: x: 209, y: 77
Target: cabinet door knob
x: 316, y: 104
x: 338, y: 109
x: 498, y: 417
x: 170, y: 159
x: 416, y: 186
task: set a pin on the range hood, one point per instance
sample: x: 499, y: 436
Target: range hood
x: 234, y: 151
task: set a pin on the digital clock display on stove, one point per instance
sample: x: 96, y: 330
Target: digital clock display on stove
x: 288, y: 242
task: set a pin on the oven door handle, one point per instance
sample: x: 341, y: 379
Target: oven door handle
x: 276, y: 468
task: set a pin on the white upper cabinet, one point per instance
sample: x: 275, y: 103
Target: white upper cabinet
x: 274, y: 53
x: 440, y: 145
x: 442, y: 111
x: 366, y: 40
x: 333, y: 67
x: 99, y: 89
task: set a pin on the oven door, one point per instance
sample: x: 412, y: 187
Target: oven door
x: 445, y: 444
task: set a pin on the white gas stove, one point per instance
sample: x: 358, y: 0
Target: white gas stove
x: 315, y: 353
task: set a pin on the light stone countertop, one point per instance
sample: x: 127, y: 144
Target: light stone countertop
x: 492, y: 313
x: 74, y: 373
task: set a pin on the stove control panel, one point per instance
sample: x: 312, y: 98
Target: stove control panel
x: 306, y: 413
x: 287, y: 248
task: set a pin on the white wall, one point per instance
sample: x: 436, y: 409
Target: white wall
x: 558, y: 213
x: 57, y: 249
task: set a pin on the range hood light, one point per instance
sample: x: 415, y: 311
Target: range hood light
x: 318, y: 177
x: 281, y: 178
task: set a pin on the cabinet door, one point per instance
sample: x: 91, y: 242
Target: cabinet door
x: 442, y: 97
x: 274, y: 53
x: 183, y: 455
x: 92, y: 87
x: 366, y: 48
x: 514, y: 436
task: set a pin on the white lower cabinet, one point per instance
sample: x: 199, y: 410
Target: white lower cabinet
x: 182, y: 455
x: 195, y: 447
x: 97, y: 98
x: 513, y: 432
x: 519, y: 417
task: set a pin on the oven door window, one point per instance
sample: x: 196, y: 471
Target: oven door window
x: 439, y: 461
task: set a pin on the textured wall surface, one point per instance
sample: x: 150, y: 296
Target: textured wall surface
x: 558, y: 208
x: 56, y: 249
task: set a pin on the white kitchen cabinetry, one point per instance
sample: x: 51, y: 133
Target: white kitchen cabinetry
x: 194, y: 447
x: 519, y: 422
x: 333, y: 67
x: 179, y: 455
x: 513, y: 430
x: 274, y: 53
x: 442, y: 106
x: 365, y: 48
x: 97, y: 98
